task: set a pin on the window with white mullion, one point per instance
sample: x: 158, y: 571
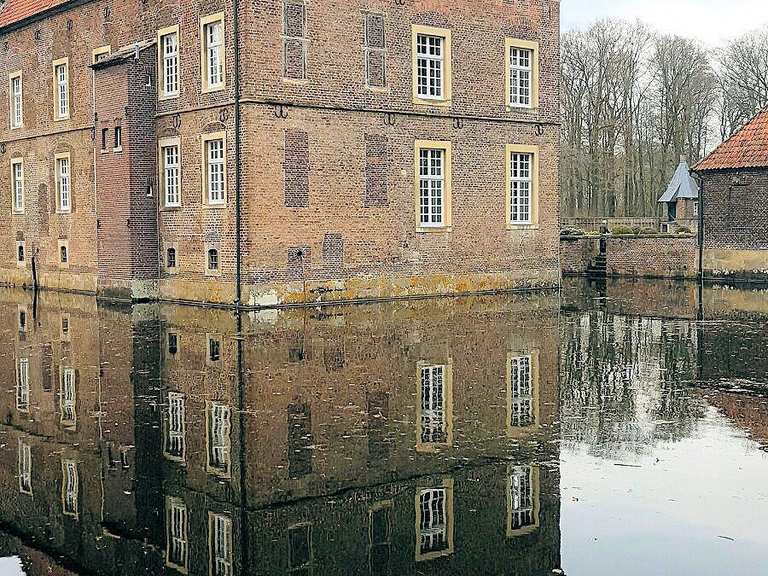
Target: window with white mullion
x: 17, y: 183
x: 521, y: 385
x: 219, y: 438
x: 176, y: 533
x: 433, y: 409
x: 62, y: 182
x: 170, y: 46
x: 62, y: 91
x: 521, y: 497
x: 429, y: 66
x: 520, y: 188
x: 214, y: 45
x: 25, y: 468
x: 70, y: 488
x: 68, y: 397
x: 171, y: 169
x: 22, y: 386
x: 433, y: 520
x: 175, y: 440
x: 215, y: 162
x: 432, y: 186
x: 520, y: 72
x: 17, y: 102
x: 221, y: 545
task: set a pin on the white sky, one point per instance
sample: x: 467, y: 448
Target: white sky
x: 711, y: 21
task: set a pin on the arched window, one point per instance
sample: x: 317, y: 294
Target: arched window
x: 64, y: 255
x: 21, y: 253
x: 171, y: 258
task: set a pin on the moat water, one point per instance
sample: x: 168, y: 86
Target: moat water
x: 610, y: 428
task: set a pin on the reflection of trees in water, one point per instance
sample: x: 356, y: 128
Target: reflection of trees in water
x: 623, y: 381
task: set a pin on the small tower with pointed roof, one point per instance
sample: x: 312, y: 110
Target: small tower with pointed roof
x: 681, y: 200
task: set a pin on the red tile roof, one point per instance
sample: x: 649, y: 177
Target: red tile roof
x: 14, y: 11
x: 747, y: 148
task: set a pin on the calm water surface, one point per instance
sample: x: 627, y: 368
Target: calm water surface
x: 619, y: 428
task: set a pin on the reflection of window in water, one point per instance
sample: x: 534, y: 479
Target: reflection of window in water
x: 68, y: 397
x: 300, y: 550
x: 175, y: 435
x: 522, y: 500
x: 299, y: 440
x: 378, y: 413
x: 25, y: 468
x: 220, y: 538
x: 433, y: 521
x: 380, y: 539
x: 22, y: 386
x: 433, y: 419
x: 214, y: 349
x: 173, y: 343
x: 70, y: 487
x: 176, y: 533
x: 521, y: 390
x: 219, y: 426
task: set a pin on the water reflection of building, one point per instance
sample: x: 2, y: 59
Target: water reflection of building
x: 358, y: 440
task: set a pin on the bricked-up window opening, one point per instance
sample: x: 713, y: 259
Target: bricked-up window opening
x: 70, y: 487
x: 433, y: 408
x: 171, y: 171
x: 300, y: 440
x: 300, y: 549
x: 433, y: 521
x: 376, y: 167
x: 521, y: 498
x: 432, y: 187
x: 17, y: 101
x: 170, y: 260
x: 215, y: 170
x: 213, y: 260
x: 520, y: 188
x: 22, y: 385
x: 294, y: 40
x: 68, y: 397
x: 176, y: 427
x: 17, y: 183
x: 20, y: 256
x: 430, y: 66
x: 214, y: 350
x: 380, y: 538
x: 176, y: 545
x: 63, y: 184
x: 25, y: 468
x: 213, y: 34
x: 296, y: 169
x: 520, y: 76
x: 521, y: 392
x: 375, y: 52
x: 63, y: 255
x: 169, y: 44
x: 220, y: 538
x: 219, y: 443
x: 61, y: 76
x: 118, y: 139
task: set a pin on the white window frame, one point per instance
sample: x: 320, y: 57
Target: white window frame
x: 63, y: 183
x: 522, y: 185
x: 209, y: 52
x: 427, y: 65
x: 219, y: 440
x: 220, y: 175
x: 220, y: 544
x: 522, y: 414
x: 70, y: 488
x: 434, y: 520
x: 16, y: 100
x: 68, y: 397
x: 176, y: 533
x: 25, y: 468
x: 175, y: 448
x: 428, y: 181
x: 521, y: 71
x: 434, y: 427
x: 61, y: 96
x: 22, y: 385
x: 118, y: 133
x: 168, y: 56
x: 522, y: 500
x: 17, y: 185
x: 170, y: 174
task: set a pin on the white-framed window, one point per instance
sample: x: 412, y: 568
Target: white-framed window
x: 433, y: 410
x: 433, y: 184
x: 520, y: 498
x: 220, y: 541
x: 521, y: 181
x: 430, y: 54
x: 61, y: 89
x: 176, y: 426
x: 22, y: 385
x: 522, y: 71
x: 63, y: 183
x: 170, y: 157
x: 219, y: 442
x: 434, y: 537
x: 68, y: 397
x: 168, y: 43
x: 70, y: 487
x: 17, y: 184
x: 118, y: 139
x: 215, y: 170
x: 25, y: 467
x: 177, y: 544
x: 16, y: 100
x: 521, y: 392
x: 212, y: 34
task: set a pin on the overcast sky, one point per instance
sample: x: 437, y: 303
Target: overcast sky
x: 711, y: 21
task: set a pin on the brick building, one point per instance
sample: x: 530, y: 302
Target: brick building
x: 734, y: 205
x: 279, y: 151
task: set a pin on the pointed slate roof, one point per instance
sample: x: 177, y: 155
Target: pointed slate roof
x: 682, y: 185
x: 747, y: 148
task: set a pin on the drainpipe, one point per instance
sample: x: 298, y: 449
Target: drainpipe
x: 700, y: 181
x: 238, y: 176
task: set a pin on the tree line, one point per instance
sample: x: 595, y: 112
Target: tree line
x: 635, y: 101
